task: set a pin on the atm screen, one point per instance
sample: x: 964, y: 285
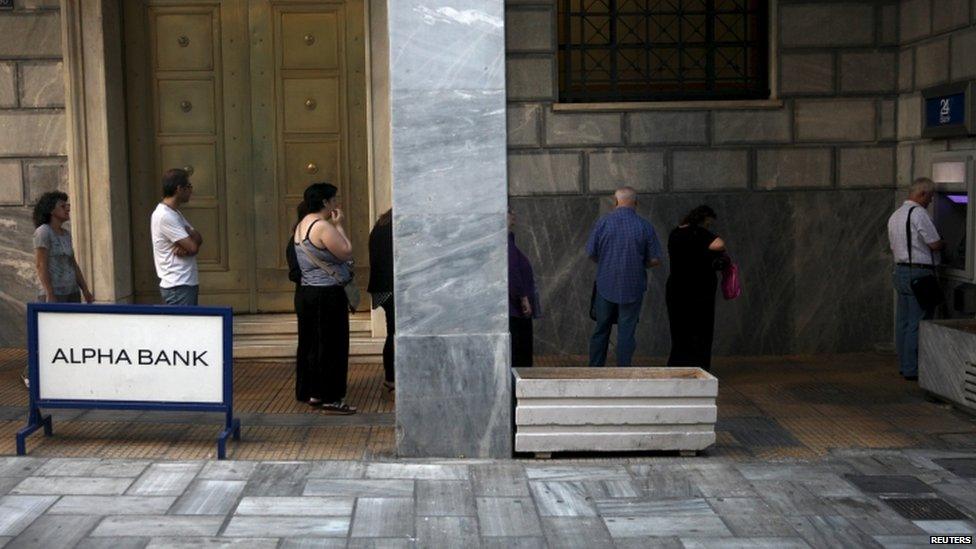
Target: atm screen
x: 949, y: 214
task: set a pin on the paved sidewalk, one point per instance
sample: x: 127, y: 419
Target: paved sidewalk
x: 859, y: 498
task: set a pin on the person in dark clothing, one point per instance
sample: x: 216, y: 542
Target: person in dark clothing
x: 523, y: 302
x: 295, y: 275
x: 381, y: 286
x: 323, y: 251
x: 690, y: 289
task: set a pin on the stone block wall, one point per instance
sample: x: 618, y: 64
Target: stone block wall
x: 938, y: 41
x: 803, y: 183
x: 33, y: 146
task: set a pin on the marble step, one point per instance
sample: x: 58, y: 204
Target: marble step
x: 368, y: 348
x: 268, y: 324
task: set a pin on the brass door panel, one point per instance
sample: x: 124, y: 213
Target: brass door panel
x: 186, y: 107
x: 258, y: 98
x: 307, y: 163
x: 184, y: 41
x: 309, y: 40
x: 199, y: 160
x: 186, y: 83
x: 311, y: 105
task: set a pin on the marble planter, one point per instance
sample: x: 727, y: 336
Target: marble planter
x: 614, y: 409
x: 947, y: 360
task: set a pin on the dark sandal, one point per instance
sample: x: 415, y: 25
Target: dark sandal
x: 338, y: 408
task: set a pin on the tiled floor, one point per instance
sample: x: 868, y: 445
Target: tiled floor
x: 850, y: 498
x: 779, y: 408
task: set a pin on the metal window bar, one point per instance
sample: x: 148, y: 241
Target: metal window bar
x: 661, y: 50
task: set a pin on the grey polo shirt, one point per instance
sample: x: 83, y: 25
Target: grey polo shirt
x: 923, y: 233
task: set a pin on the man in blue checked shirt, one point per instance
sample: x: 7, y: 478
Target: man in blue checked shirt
x: 623, y: 245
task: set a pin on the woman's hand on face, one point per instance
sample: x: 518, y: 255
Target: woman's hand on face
x: 336, y: 217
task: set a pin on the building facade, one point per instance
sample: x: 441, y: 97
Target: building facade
x: 258, y: 98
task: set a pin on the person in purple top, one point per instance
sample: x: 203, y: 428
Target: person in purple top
x: 623, y: 245
x: 523, y: 300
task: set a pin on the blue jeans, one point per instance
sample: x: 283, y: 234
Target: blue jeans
x: 627, y: 316
x: 180, y: 295
x: 907, y: 316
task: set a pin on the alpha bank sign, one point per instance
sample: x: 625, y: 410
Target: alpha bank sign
x: 129, y: 357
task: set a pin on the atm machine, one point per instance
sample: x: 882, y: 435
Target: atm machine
x: 947, y: 347
x: 955, y: 182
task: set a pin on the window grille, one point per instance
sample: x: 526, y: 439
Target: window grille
x: 662, y: 50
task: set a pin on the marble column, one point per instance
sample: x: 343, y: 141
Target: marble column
x: 447, y: 87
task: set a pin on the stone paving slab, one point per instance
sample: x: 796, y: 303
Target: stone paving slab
x: 157, y: 526
x: 295, y: 506
x: 445, y: 498
x: 508, y: 517
x: 666, y: 525
x: 209, y: 497
x: 280, y: 527
x: 447, y: 532
x: 72, y: 485
x: 165, y: 479
x: 212, y: 543
x: 55, y: 532
x: 383, y: 518
x: 112, y: 505
x: 359, y: 488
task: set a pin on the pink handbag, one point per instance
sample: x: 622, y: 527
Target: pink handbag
x: 731, y: 288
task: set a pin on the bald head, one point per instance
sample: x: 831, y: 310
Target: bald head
x: 625, y: 197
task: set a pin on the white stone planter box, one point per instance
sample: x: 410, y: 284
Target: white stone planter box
x: 947, y: 360
x: 614, y: 409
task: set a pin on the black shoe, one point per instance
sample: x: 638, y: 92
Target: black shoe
x: 910, y: 378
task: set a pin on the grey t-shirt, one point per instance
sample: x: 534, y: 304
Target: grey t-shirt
x: 60, y: 266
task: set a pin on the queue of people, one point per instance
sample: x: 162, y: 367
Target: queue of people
x: 622, y: 244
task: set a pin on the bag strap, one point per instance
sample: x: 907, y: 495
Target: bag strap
x: 908, y: 234
x: 329, y: 269
x: 908, y: 240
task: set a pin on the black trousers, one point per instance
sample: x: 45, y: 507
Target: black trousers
x: 691, y: 314
x: 390, y: 311
x: 322, y: 361
x: 521, y: 330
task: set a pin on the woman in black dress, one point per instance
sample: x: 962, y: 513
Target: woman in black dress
x: 690, y: 291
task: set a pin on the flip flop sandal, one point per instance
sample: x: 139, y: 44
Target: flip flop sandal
x: 338, y: 408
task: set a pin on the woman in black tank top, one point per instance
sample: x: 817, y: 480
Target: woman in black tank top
x: 322, y: 359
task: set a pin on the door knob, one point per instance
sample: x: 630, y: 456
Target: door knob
x: 186, y: 106
x: 183, y: 41
x: 188, y: 169
x: 310, y: 104
x: 309, y: 39
x: 312, y: 168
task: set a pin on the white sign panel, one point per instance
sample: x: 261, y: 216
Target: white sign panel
x: 130, y: 357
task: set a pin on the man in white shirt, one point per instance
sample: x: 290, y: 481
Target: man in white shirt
x: 924, y: 242
x: 175, y: 242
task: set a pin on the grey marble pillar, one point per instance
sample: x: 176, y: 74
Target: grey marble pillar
x: 447, y: 80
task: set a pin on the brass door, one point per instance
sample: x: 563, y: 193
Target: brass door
x: 308, y: 72
x: 257, y: 98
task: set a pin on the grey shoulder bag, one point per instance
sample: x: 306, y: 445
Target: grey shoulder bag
x: 352, y: 291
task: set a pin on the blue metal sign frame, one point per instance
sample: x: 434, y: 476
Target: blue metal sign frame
x: 37, y: 420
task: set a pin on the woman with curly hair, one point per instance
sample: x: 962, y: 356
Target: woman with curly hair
x: 60, y: 277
